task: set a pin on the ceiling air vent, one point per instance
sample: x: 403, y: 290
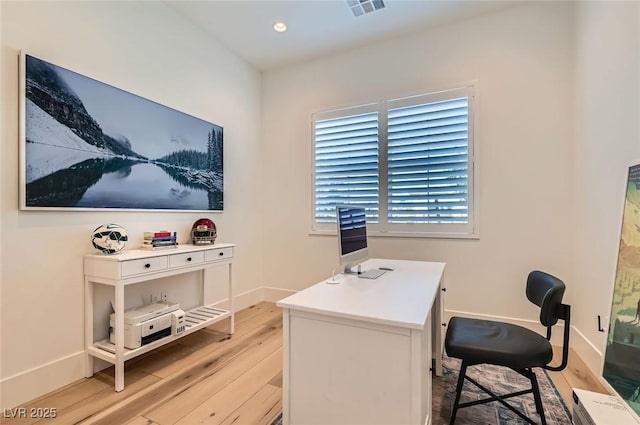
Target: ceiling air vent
x: 360, y: 7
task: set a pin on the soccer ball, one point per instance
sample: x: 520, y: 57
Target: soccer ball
x: 109, y: 238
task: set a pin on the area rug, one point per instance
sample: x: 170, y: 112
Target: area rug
x: 500, y: 380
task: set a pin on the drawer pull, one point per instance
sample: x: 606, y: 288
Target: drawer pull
x: 221, y: 254
x: 146, y: 266
x: 188, y: 259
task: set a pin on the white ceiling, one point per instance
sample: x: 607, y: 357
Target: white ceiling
x: 316, y: 27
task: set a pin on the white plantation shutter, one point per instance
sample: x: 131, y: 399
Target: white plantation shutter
x: 346, y: 164
x: 410, y: 162
x: 428, y: 162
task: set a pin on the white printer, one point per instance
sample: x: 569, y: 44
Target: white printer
x: 148, y: 323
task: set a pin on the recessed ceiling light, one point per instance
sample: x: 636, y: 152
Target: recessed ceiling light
x: 280, y: 26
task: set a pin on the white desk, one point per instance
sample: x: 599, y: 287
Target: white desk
x: 359, y: 352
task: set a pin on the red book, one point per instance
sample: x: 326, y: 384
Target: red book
x: 158, y: 234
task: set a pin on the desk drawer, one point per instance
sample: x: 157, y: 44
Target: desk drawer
x: 218, y: 254
x: 145, y: 265
x: 185, y: 259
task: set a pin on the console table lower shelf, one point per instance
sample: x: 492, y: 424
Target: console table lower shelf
x: 195, y: 319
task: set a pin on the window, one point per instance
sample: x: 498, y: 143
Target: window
x: 409, y: 162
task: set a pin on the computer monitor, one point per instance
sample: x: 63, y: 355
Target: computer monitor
x: 352, y: 236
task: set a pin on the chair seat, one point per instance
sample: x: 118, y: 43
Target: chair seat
x: 484, y: 341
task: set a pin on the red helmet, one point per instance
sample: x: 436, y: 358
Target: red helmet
x: 203, y: 231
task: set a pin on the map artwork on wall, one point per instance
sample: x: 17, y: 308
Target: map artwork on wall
x: 621, y: 363
x: 88, y: 145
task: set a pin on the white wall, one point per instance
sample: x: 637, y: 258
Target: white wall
x: 2, y: 114
x: 521, y: 58
x: 144, y: 48
x: 558, y: 106
x: 607, y: 142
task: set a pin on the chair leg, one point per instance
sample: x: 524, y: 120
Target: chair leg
x: 536, y: 397
x: 528, y: 373
x: 461, y: 376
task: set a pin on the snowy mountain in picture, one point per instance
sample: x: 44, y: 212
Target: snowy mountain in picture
x: 45, y: 136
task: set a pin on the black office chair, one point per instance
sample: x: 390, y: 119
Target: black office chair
x: 477, y: 341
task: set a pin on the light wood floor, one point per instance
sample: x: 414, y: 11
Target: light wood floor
x: 575, y: 375
x: 207, y: 377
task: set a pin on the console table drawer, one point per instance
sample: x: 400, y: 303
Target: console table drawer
x: 145, y: 265
x: 218, y: 254
x: 186, y: 259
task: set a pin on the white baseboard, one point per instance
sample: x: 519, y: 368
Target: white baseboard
x: 244, y: 300
x: 33, y: 383
x: 255, y: 296
x: 590, y: 355
x: 275, y: 294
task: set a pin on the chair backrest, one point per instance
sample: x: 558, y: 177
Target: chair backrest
x: 546, y: 292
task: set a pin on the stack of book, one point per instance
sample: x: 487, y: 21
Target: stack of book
x: 160, y: 240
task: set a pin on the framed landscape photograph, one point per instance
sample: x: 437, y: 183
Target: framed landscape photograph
x: 88, y: 145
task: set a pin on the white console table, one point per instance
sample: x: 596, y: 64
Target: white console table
x: 360, y: 352
x: 136, y: 266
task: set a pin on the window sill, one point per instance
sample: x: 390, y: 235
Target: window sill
x: 422, y: 235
